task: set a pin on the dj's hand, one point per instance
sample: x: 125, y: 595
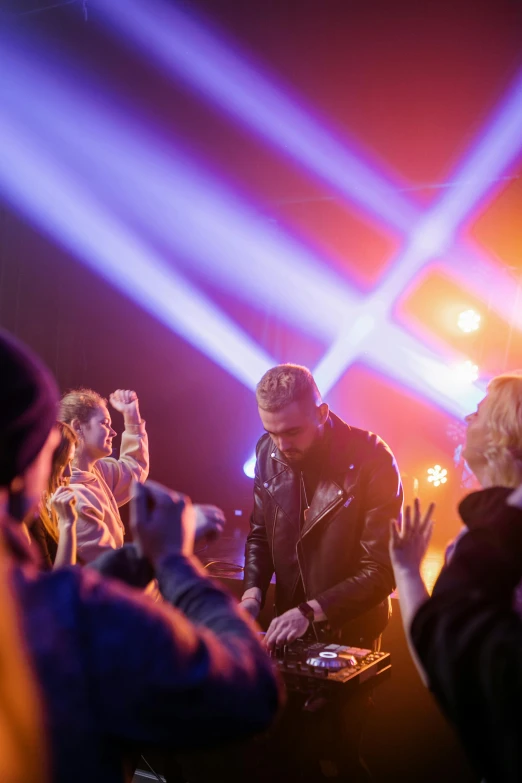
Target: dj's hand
x: 286, y: 628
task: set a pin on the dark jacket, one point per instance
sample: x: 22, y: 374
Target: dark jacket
x: 469, y: 637
x: 341, y: 553
x: 115, y: 668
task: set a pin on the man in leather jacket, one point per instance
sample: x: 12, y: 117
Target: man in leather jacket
x: 324, y: 495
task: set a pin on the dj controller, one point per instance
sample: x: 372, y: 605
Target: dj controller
x: 309, y: 667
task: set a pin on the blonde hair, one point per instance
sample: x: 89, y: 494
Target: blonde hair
x: 80, y: 404
x: 504, y: 414
x: 60, y: 459
x: 284, y: 384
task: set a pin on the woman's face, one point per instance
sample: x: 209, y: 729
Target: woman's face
x: 477, y: 435
x: 97, y: 434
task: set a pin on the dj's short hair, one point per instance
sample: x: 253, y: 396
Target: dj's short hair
x: 284, y: 384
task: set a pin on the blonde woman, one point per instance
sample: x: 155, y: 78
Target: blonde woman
x: 493, y: 451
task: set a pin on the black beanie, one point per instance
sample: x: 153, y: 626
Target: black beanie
x: 28, y: 407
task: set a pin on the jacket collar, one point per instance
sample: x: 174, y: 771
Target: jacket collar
x: 284, y: 484
x: 483, y: 505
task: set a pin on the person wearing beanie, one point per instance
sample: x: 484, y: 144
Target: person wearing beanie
x: 28, y: 405
x: 112, y: 667
x: 28, y: 411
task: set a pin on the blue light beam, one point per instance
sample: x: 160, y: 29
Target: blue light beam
x: 182, y: 46
x: 66, y: 211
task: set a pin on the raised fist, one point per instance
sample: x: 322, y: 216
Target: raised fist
x: 125, y: 401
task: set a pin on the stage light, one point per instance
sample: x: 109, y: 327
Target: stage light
x: 467, y: 372
x: 65, y: 209
x: 249, y: 468
x: 208, y: 229
x: 364, y: 324
x: 190, y: 50
x: 436, y: 231
x: 437, y: 475
x: 469, y: 321
x: 216, y: 232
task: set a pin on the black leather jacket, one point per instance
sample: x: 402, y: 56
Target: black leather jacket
x: 341, y: 554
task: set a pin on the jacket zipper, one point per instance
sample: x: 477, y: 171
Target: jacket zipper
x: 330, y: 508
x: 300, y: 541
x: 300, y: 569
x: 273, y: 536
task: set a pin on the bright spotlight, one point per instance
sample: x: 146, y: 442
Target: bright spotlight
x: 469, y: 321
x: 467, y: 372
x: 249, y: 468
x: 437, y: 475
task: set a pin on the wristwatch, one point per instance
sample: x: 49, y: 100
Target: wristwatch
x: 307, y: 611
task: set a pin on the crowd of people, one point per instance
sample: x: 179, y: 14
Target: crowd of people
x: 104, y: 667
x: 95, y: 664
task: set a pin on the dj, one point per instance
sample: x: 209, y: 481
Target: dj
x: 324, y: 494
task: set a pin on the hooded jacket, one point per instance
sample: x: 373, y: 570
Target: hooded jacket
x: 100, y: 493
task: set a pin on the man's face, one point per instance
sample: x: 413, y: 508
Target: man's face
x: 97, y: 434
x: 477, y: 435
x: 295, y: 429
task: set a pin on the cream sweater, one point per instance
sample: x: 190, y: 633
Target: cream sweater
x: 99, y: 494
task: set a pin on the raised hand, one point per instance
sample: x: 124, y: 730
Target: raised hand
x: 210, y: 522
x: 162, y: 522
x: 409, y: 544
x: 64, y: 503
x: 125, y: 401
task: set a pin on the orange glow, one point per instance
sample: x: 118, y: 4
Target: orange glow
x: 431, y: 567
